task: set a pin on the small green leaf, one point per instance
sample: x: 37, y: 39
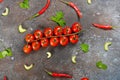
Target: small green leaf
x: 58, y: 18
x: 4, y: 53
x: 59, y: 15
x: 101, y: 65
x: 1, y: 56
x: 9, y: 52
x: 61, y: 22
x: 84, y: 47
x: 53, y: 18
x: 24, y: 4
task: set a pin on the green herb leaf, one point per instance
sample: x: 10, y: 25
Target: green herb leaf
x: 9, y: 52
x: 101, y: 65
x: 58, y: 18
x: 1, y: 56
x: 59, y: 15
x: 84, y: 47
x: 61, y: 22
x: 4, y: 53
x: 24, y: 4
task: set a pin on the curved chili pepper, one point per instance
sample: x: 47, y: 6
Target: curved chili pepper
x: 54, y: 74
x: 105, y: 27
x: 42, y: 10
x: 71, y: 4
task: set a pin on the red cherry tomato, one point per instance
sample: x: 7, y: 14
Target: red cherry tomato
x: 76, y: 27
x: 64, y: 40
x: 27, y: 48
x: 35, y: 45
x: 58, y: 30
x: 73, y: 39
x: 1, y: 1
x: 29, y: 38
x: 67, y: 30
x: 38, y: 34
x: 54, y: 41
x: 48, y: 32
x: 44, y: 42
x: 84, y: 78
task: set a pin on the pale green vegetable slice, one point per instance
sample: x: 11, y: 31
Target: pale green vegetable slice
x: 5, y: 13
x: 89, y: 1
x: 28, y: 67
x: 106, y: 46
x: 74, y: 59
x: 21, y: 29
x: 48, y: 54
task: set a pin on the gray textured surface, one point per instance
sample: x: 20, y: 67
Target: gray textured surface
x: 100, y: 11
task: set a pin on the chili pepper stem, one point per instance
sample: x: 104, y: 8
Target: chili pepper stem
x: 34, y: 16
x: 64, y: 1
x: 50, y: 73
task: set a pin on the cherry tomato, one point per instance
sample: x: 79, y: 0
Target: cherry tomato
x: 76, y: 27
x: 38, y: 34
x: 84, y: 78
x: 35, y: 45
x: 44, y: 42
x: 29, y: 38
x: 1, y: 1
x: 54, y: 41
x: 27, y: 48
x: 58, y: 30
x: 73, y: 39
x: 67, y: 30
x: 48, y: 32
x: 64, y: 40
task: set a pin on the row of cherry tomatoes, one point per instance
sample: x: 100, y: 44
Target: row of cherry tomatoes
x: 52, y: 37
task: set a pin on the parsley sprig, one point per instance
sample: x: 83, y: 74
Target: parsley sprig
x: 58, y: 18
x: 24, y: 4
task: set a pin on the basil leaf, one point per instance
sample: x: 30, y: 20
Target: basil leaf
x: 84, y: 47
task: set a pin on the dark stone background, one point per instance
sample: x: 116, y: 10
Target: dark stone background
x: 100, y: 11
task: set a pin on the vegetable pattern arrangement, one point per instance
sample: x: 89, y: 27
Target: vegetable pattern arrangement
x: 55, y: 37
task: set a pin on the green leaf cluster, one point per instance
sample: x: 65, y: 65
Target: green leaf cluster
x: 101, y: 65
x: 24, y: 4
x: 58, y: 18
x: 84, y: 47
x: 5, y: 53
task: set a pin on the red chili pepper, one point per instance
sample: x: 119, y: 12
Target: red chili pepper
x: 54, y: 74
x: 42, y: 10
x: 5, y: 78
x: 105, y: 27
x: 71, y: 4
x: 1, y: 1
